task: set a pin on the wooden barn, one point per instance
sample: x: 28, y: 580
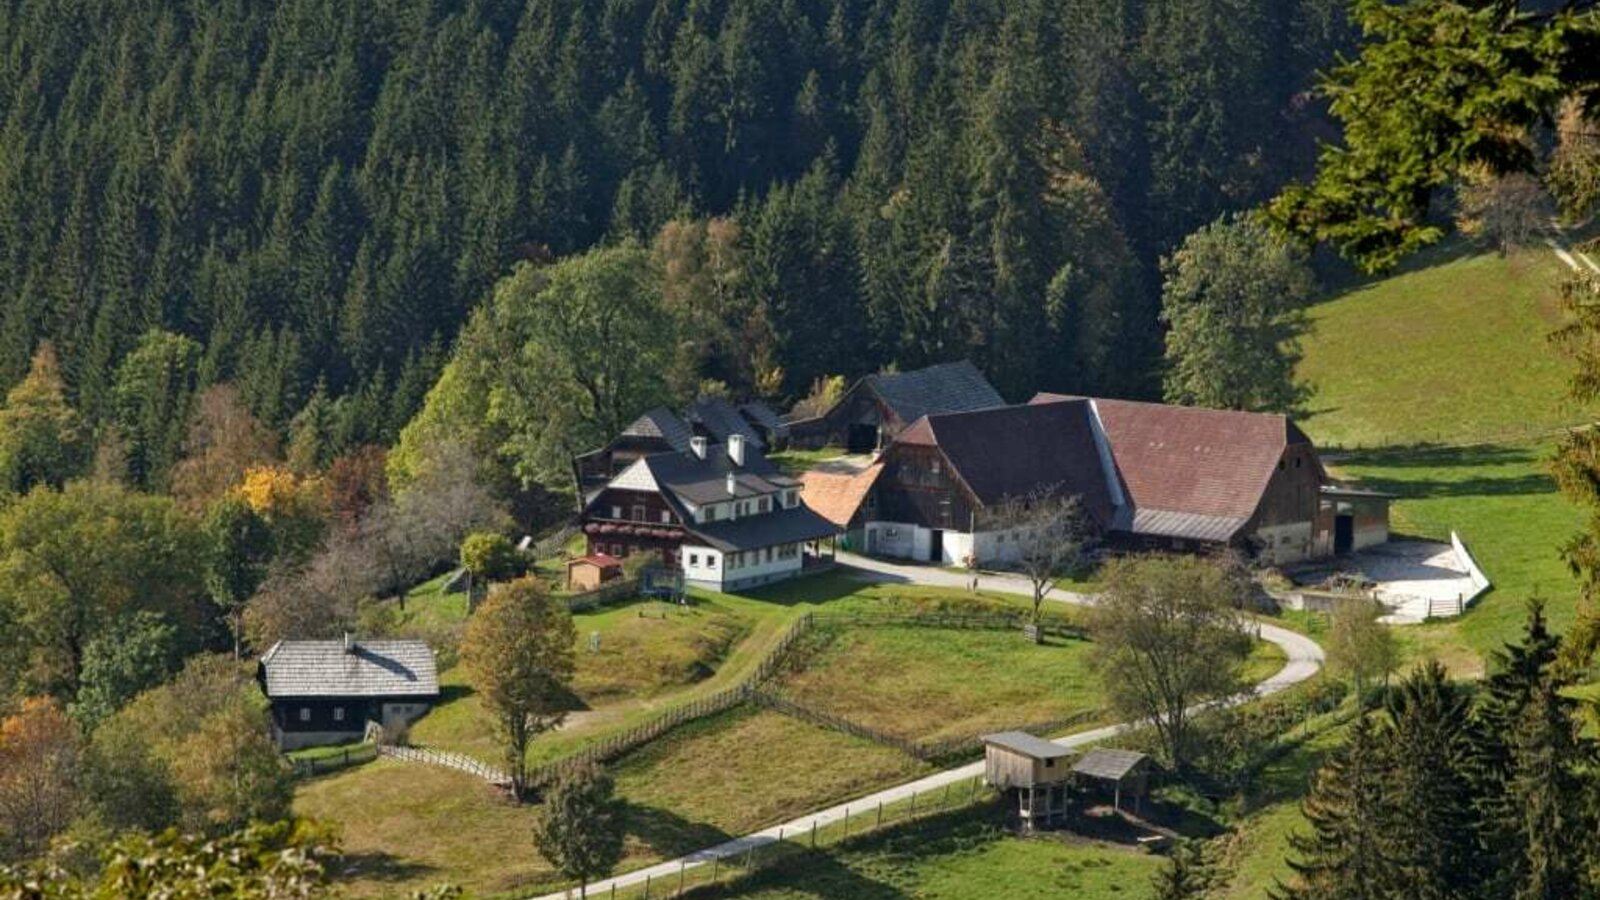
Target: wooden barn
x: 878, y: 407
x: 1031, y: 770
x: 325, y: 692
x: 1150, y: 476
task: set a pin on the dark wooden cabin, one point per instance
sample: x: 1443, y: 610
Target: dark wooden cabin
x: 327, y: 691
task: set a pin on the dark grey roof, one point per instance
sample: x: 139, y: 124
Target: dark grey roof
x: 661, y: 423
x: 369, y: 669
x: 784, y: 526
x: 1026, y: 744
x: 701, y: 481
x: 1109, y: 764
x: 720, y: 419
x: 761, y: 416
x: 945, y: 388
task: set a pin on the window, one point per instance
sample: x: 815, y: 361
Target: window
x: 1049, y: 764
x: 638, y: 514
x: 1297, y: 461
x: 305, y: 713
x: 769, y: 554
x: 694, y: 559
x: 766, y: 504
x: 666, y: 517
x: 711, y: 514
x: 616, y: 512
x: 934, y: 467
x: 338, y: 714
x: 711, y: 561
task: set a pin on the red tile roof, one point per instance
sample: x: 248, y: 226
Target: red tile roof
x: 603, y: 560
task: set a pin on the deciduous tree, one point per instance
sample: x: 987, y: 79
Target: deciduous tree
x: 1047, y: 530
x: 1167, y: 636
x: 1359, y: 646
x: 42, y: 438
x: 579, y: 829
x: 38, y: 771
x: 1232, y: 303
x: 518, y: 650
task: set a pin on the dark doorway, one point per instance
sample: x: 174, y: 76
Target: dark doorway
x: 862, y: 439
x: 1344, y: 534
x: 935, y: 546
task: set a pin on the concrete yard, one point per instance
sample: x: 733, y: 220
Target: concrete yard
x: 1416, y: 580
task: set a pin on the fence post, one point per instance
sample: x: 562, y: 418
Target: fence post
x: 716, y: 864
x: 813, y: 834
x: 647, y: 887
x: 913, y: 813
x: 879, y: 823
x: 681, y: 866
x: 846, y: 824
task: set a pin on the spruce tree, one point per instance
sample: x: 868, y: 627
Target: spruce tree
x: 1432, y: 832
x: 1344, y: 856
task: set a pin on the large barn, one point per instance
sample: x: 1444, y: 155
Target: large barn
x: 1150, y: 476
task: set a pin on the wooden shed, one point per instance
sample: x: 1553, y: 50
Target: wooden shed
x: 586, y: 573
x: 1031, y: 769
x: 1125, y: 772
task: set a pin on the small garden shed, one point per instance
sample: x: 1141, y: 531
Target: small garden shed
x: 1031, y: 769
x: 1125, y: 772
x: 586, y: 573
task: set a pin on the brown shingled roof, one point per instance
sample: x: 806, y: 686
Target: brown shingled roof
x: 1009, y: 451
x: 1199, y: 462
x: 836, y: 495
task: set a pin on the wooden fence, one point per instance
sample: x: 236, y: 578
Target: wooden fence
x: 620, y: 744
x: 611, y: 592
x: 457, y: 761
x: 963, y: 621
x: 310, y: 767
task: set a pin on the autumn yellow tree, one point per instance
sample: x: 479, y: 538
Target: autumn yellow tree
x: 38, y: 759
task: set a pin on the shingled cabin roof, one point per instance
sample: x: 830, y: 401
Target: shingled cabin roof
x: 700, y: 481
x: 1186, y: 471
x: 661, y: 423
x: 1109, y: 764
x: 944, y: 388
x: 349, y: 668
x: 1011, y: 451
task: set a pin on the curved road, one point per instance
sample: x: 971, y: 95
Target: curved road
x: 1304, y: 660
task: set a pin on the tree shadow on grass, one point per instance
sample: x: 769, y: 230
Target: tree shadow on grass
x: 1533, y: 480
x: 668, y: 833
x: 382, y: 867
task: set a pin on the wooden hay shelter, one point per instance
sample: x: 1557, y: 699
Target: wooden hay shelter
x: 586, y: 573
x: 1125, y: 771
x: 1030, y: 769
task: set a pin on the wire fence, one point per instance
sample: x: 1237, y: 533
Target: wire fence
x: 953, y: 621
x: 714, y: 874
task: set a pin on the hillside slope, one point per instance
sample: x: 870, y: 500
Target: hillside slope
x: 1453, y: 349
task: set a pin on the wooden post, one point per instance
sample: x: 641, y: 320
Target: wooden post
x: 647, y: 887
x: 813, y: 834
x: 880, y: 816
x: 681, y: 866
x: 945, y: 803
x: 716, y: 865
x: 846, y: 824
x: 913, y: 813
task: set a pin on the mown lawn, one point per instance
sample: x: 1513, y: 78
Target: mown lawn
x: 931, y: 684
x: 1452, y: 349
x: 646, y: 653
x: 957, y: 856
x: 407, y: 826
x: 744, y: 770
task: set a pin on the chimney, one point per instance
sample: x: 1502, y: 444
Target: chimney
x: 733, y: 485
x: 349, y: 642
x: 697, y: 446
x: 736, y: 449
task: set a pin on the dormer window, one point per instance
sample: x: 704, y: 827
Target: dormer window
x: 666, y: 517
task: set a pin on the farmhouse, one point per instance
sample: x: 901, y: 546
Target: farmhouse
x: 325, y: 692
x: 1150, y: 476
x: 879, y: 407
x: 723, y: 515
x: 660, y: 430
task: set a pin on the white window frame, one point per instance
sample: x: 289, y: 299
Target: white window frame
x: 305, y: 713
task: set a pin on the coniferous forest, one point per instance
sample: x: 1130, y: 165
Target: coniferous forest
x: 317, y: 192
